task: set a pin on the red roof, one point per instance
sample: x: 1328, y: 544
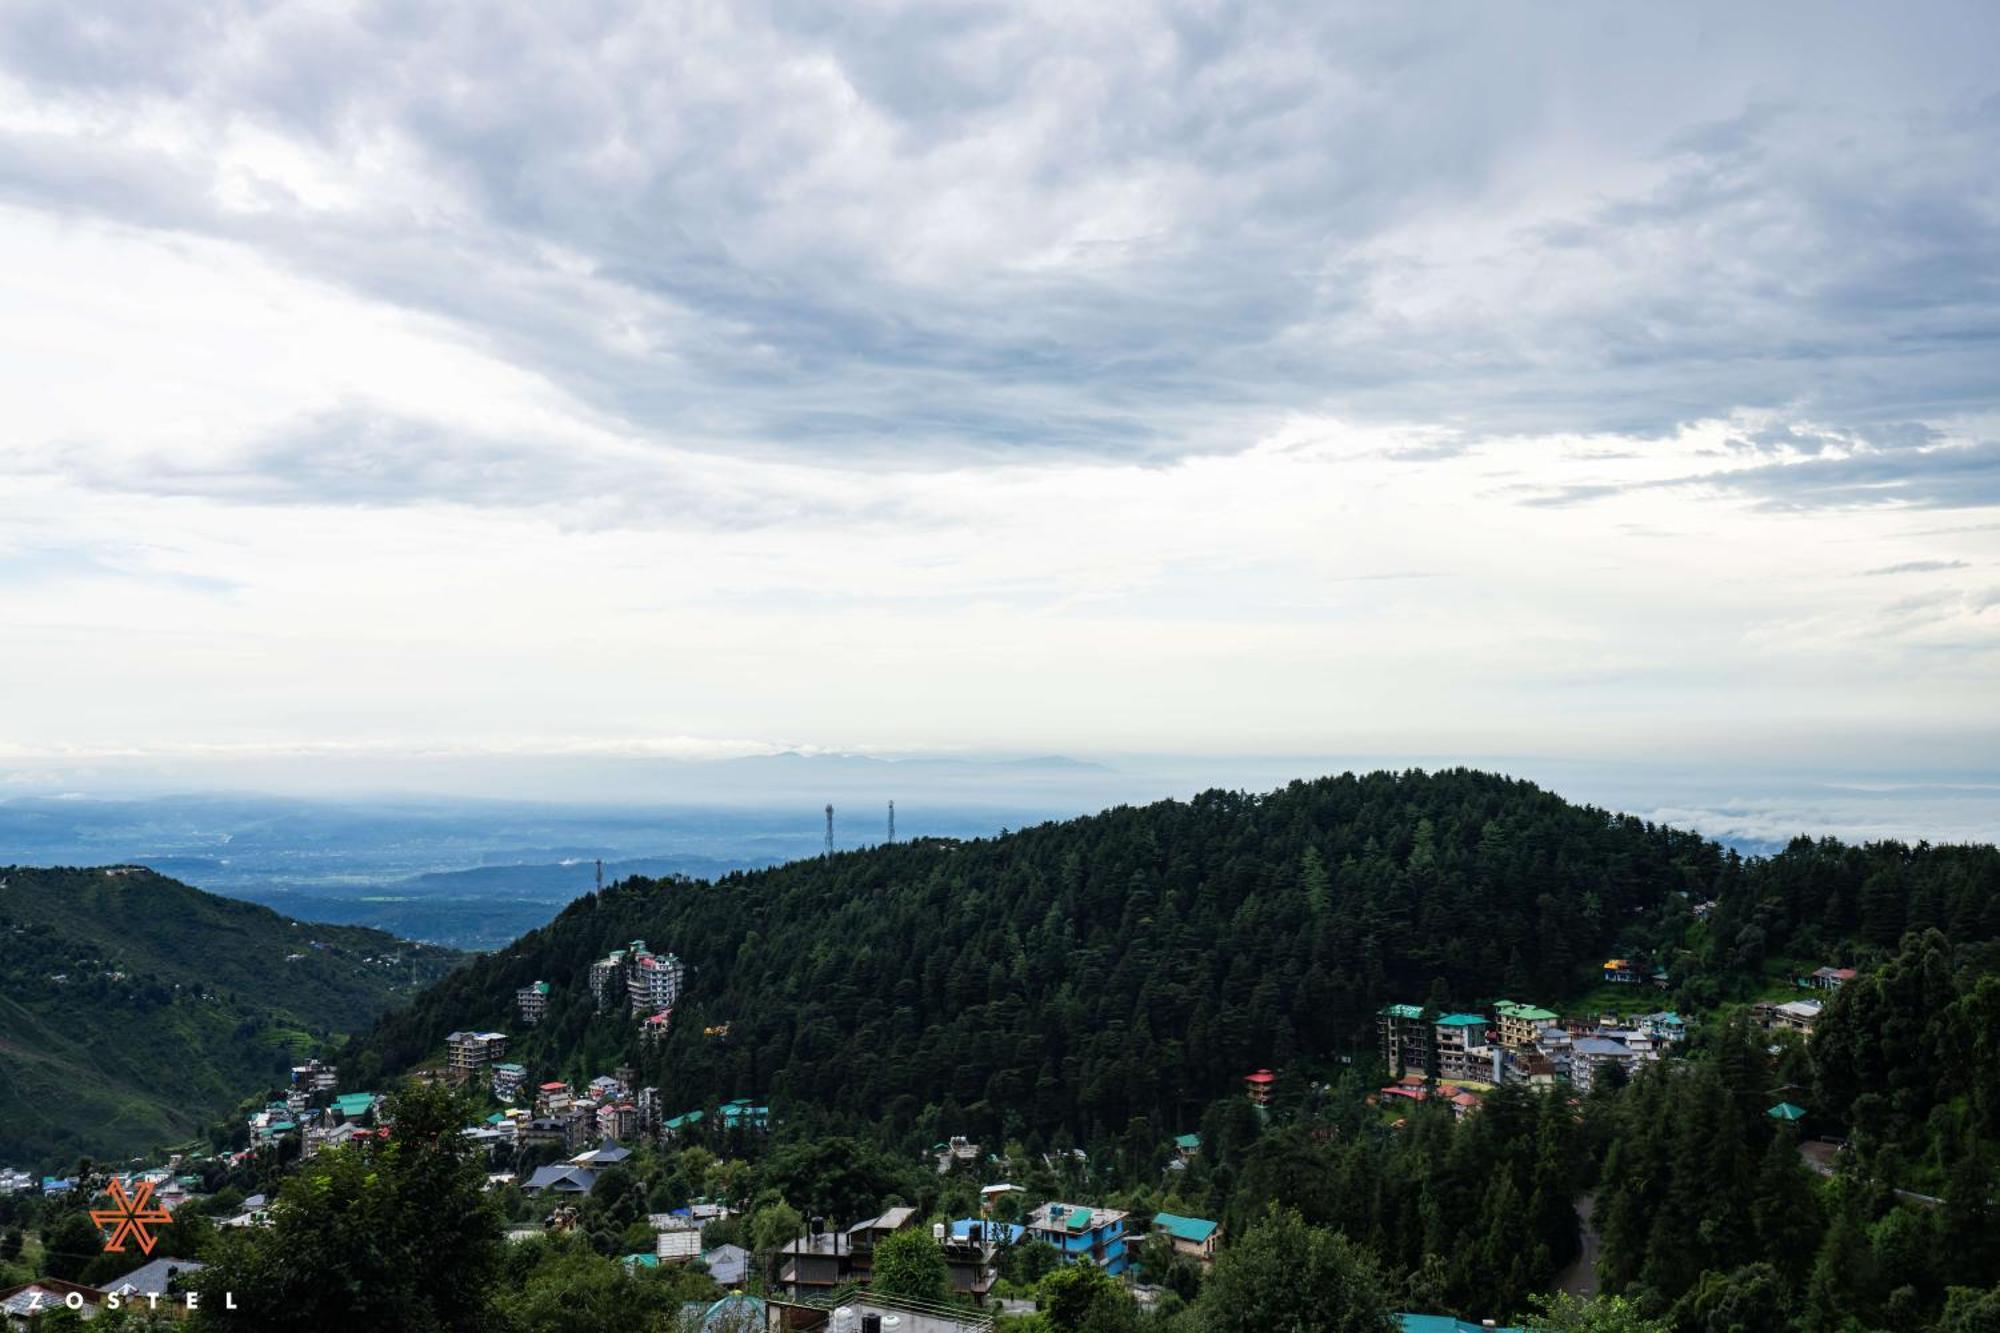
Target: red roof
x: 1261, y: 1076
x: 554, y: 1087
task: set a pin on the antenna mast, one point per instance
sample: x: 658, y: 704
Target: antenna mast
x: 829, y: 830
x: 600, y: 874
x: 892, y: 821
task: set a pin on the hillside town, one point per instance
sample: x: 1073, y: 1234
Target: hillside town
x: 551, y: 1144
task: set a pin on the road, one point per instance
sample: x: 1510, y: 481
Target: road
x: 1580, y: 1278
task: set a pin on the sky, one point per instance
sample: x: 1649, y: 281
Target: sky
x: 696, y: 380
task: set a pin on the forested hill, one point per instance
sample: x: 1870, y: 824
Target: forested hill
x: 1068, y: 977
x: 135, y: 1009
x: 1132, y: 962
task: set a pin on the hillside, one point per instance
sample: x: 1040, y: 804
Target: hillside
x: 134, y: 1009
x: 1066, y: 978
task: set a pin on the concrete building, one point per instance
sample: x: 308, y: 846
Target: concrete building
x: 533, y: 1002
x: 470, y: 1052
x: 1082, y: 1234
x: 1406, y: 1039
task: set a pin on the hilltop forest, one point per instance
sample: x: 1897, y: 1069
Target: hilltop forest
x: 1058, y: 982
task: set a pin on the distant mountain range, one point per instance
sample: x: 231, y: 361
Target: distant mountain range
x: 134, y: 1010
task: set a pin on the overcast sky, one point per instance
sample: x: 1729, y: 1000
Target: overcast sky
x: 699, y: 378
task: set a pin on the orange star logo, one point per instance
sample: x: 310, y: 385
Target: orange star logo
x: 131, y: 1216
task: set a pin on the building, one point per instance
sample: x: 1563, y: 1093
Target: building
x: 543, y: 1132
x: 1257, y: 1087
x: 1406, y: 1038
x: 607, y: 976
x: 1192, y: 1237
x: 1591, y: 1056
x: 1462, y: 1051
x: 533, y: 1002
x: 469, y: 1052
x: 1443, y: 1323
x: 653, y: 981
x: 741, y: 1114
x: 508, y: 1080
x: 1082, y: 1234
x: 1828, y: 978
x: 972, y: 1253
x: 1520, y: 1024
x: 1187, y: 1146
x: 1622, y: 972
x: 618, y: 1120
x: 1665, y: 1027
x: 824, y: 1259
x: 314, y: 1076
x: 957, y: 1150
x: 1792, y: 1016
x: 561, y: 1179
x: 553, y: 1099
x: 653, y: 1028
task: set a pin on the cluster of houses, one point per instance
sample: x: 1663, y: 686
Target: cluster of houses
x: 1517, y: 1043
x: 608, y: 1108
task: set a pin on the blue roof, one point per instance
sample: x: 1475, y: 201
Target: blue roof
x: 1007, y: 1233
x: 1442, y: 1323
x: 1194, y: 1229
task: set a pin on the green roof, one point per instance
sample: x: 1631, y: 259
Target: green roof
x: 1526, y: 1012
x: 1786, y: 1111
x: 1443, y: 1323
x: 1194, y: 1229
x: 1188, y: 1141
x: 642, y: 1260
x: 1460, y: 1020
x: 1403, y: 1011
x: 691, y: 1118
x: 354, y: 1103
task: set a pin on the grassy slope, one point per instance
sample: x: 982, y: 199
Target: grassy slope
x: 210, y: 1008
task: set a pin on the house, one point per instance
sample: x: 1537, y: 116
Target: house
x: 957, y: 1149
x: 162, y: 1278
x: 677, y: 1247
x: 992, y: 1194
x: 1791, y: 1016
x: 469, y: 1052
x: 564, y: 1179
x: 1193, y: 1237
x: 533, y: 1002
x: 1519, y: 1024
x: 1187, y: 1146
x: 1257, y: 1086
x: 603, y: 1155
x: 618, y: 1120
x: 681, y: 1124
x: 1406, y: 1038
x: 1787, y: 1112
x: 1665, y: 1027
x: 735, y: 1313
x: 29, y: 1301
x: 552, y: 1099
x: 654, y: 1028
x: 821, y: 1260
x: 542, y: 1132
x: 971, y: 1252
x: 15, y: 1182
x: 728, y: 1265
x: 508, y: 1080
x: 1621, y: 972
x: 1828, y: 978
x: 1082, y: 1234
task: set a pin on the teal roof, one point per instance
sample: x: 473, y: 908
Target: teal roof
x: 1193, y: 1229
x: 1526, y: 1012
x: 691, y: 1118
x: 1403, y: 1011
x: 641, y: 1261
x: 1442, y: 1323
x: 1460, y: 1020
x: 354, y: 1103
x: 1786, y: 1111
x: 1188, y: 1141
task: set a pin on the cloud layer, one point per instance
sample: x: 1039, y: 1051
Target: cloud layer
x: 1011, y: 352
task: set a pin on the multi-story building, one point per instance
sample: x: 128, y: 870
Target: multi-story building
x: 972, y: 1251
x: 1520, y: 1024
x: 315, y: 1076
x: 553, y: 1099
x: 648, y: 1104
x: 1406, y: 1039
x: 607, y: 976
x: 618, y: 1120
x: 470, y: 1052
x: 1462, y: 1052
x: 1829, y: 978
x: 508, y: 1080
x: 1793, y: 1015
x: 1591, y: 1056
x: 822, y: 1260
x: 1082, y: 1234
x: 533, y: 1002
x: 1257, y: 1086
x: 1622, y: 972
x: 653, y: 1028
x: 653, y: 981
x: 745, y: 1115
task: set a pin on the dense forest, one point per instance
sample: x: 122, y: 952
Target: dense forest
x: 1059, y: 981
x: 135, y: 1009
